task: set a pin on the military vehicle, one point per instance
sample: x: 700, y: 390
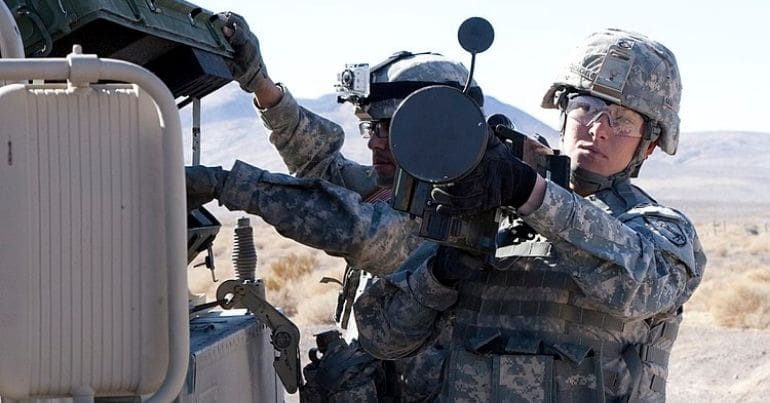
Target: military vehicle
x: 96, y: 243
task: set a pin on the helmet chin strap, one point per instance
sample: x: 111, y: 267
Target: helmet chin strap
x: 585, y: 182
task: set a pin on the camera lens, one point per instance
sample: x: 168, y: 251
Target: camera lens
x: 346, y: 79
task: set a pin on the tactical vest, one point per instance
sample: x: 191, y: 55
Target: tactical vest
x: 527, y: 333
x: 355, y: 280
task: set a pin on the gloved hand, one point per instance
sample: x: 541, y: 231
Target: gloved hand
x: 452, y: 265
x: 344, y: 367
x: 500, y: 179
x: 204, y: 184
x: 246, y: 66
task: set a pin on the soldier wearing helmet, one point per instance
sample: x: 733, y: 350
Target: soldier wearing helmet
x: 629, y: 71
x: 588, y: 309
x: 389, y: 83
x: 333, y: 203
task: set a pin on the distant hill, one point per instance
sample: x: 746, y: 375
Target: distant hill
x: 231, y: 127
x: 719, y: 169
x: 720, y: 173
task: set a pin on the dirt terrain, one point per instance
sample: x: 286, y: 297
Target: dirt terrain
x: 717, y: 364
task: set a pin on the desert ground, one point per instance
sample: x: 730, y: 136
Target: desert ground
x: 722, y: 353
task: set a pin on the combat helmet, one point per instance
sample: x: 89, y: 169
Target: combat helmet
x: 631, y: 70
x: 378, y: 95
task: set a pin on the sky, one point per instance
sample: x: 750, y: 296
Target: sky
x: 721, y: 46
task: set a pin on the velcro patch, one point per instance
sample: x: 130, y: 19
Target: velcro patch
x: 672, y: 231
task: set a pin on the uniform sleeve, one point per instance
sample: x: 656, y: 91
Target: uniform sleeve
x: 310, y: 146
x: 314, y: 212
x: 401, y: 314
x: 645, y: 262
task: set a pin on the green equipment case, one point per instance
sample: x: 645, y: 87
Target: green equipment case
x: 178, y: 41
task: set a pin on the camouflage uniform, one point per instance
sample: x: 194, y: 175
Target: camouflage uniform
x: 587, y: 311
x: 322, y: 215
x: 312, y: 209
x: 322, y: 207
x: 333, y: 204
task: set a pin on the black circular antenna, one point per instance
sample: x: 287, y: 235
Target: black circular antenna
x: 438, y: 134
x: 476, y: 35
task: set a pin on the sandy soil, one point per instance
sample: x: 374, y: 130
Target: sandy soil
x: 716, y: 364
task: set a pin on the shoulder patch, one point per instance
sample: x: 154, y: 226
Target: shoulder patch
x: 672, y: 231
x: 652, y: 210
x: 665, y: 221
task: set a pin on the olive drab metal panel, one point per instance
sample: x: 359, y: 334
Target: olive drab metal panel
x: 160, y: 35
x: 44, y: 21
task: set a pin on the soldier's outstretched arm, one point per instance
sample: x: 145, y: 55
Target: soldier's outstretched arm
x: 309, y: 144
x: 400, y: 314
x: 645, y: 262
x: 371, y: 236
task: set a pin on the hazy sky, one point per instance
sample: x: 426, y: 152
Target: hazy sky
x: 721, y: 46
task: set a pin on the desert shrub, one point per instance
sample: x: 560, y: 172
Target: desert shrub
x: 283, y: 278
x: 742, y: 301
x: 287, y: 270
x: 735, y: 290
x: 316, y: 302
x: 757, y: 244
x: 293, y: 285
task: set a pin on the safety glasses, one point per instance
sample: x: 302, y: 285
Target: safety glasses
x: 587, y: 110
x: 374, y: 128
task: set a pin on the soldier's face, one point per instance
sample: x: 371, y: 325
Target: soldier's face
x: 604, y: 144
x: 382, y: 158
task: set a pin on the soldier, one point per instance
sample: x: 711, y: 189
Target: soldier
x: 333, y: 203
x: 588, y: 310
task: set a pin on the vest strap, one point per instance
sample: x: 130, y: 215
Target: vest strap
x: 658, y: 384
x: 634, y: 365
x: 553, y: 310
x: 542, y: 279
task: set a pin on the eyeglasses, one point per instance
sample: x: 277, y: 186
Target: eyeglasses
x: 587, y: 110
x: 374, y: 128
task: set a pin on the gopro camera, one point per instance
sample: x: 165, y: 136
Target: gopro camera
x: 353, y: 83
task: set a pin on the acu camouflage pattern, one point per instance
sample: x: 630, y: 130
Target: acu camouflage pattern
x: 652, y: 87
x: 322, y: 215
x: 426, y: 67
x: 310, y: 146
x: 310, y: 209
x: 573, y: 324
x: 324, y: 207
